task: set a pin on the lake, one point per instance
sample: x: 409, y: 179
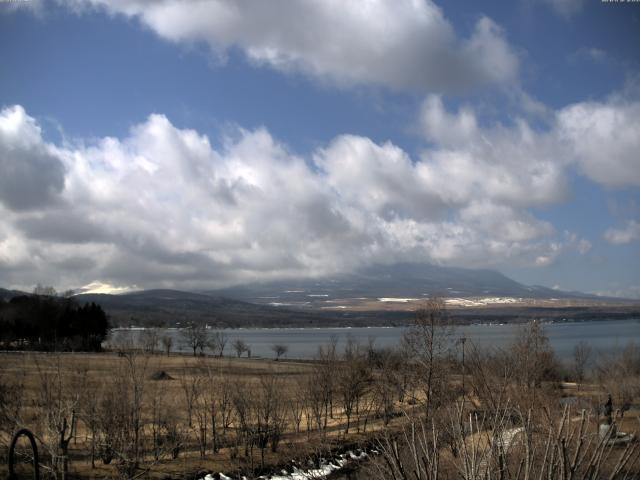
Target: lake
x: 603, y: 336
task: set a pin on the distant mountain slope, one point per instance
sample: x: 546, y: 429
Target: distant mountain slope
x: 349, y: 300
x: 9, y: 294
x: 173, y: 307
x: 400, y: 280
x: 162, y: 298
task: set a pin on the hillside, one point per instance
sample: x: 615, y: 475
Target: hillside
x: 400, y: 280
x: 173, y: 307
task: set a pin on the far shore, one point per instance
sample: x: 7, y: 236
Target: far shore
x: 631, y: 318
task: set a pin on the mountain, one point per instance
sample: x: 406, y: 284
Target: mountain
x: 174, y: 308
x: 355, y: 299
x: 400, y: 280
x: 7, y: 295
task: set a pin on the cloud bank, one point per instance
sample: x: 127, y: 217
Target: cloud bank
x: 162, y: 206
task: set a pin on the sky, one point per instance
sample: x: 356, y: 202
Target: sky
x: 201, y: 144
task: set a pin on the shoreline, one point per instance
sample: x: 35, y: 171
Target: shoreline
x: 408, y: 325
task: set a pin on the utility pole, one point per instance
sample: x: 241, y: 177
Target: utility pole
x: 463, y: 340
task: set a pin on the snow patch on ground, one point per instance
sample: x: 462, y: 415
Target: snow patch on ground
x: 325, y: 468
x: 459, y: 301
x: 397, y: 300
x: 481, y: 301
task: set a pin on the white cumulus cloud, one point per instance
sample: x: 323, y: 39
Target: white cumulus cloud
x: 604, y: 140
x: 627, y: 234
x: 401, y: 44
x: 163, y: 206
x: 517, y: 164
x: 528, y: 166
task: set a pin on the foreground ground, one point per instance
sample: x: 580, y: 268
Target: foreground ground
x: 168, y: 385
x: 190, y: 415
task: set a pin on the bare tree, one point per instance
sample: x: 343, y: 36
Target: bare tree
x: 216, y: 343
x: 166, y: 436
x: 134, y: 372
x: 219, y: 388
x: 353, y: 378
x: 167, y: 343
x: 59, y: 405
x: 121, y: 414
x: 190, y: 384
x: 429, y: 341
x: 503, y: 447
x: 390, y: 383
x: 271, y: 412
x: 90, y: 416
x: 260, y: 414
x: 279, y: 350
x: 297, y: 402
x: 491, y: 375
x: 212, y: 394
x: 202, y: 412
x: 321, y: 384
x: 240, y: 347
x: 212, y: 407
x: 11, y: 405
x: 156, y: 407
x: 581, y: 356
x: 318, y: 397
x: 534, y: 362
x: 618, y: 373
x: 243, y: 405
x: 149, y: 339
x: 195, y: 337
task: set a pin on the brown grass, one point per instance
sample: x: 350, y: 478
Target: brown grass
x: 98, y: 370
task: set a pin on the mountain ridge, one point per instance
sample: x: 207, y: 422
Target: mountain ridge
x: 398, y: 280
x: 376, y: 295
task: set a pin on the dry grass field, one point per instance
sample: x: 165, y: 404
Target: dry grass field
x: 168, y: 384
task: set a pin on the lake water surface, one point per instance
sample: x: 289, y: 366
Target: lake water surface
x: 604, y: 336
